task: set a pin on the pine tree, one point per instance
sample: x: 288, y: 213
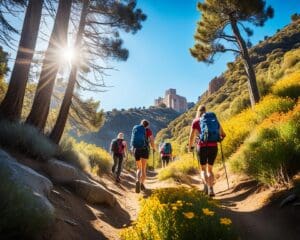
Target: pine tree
x: 11, y: 106
x: 58, y: 40
x: 218, y: 31
x: 95, y: 14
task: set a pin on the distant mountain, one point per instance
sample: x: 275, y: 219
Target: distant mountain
x: 123, y: 121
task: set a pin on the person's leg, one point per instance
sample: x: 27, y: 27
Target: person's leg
x: 144, y: 166
x: 202, y: 158
x: 212, y: 154
x: 167, y: 160
x: 120, y: 161
x: 138, y: 162
x: 113, y: 169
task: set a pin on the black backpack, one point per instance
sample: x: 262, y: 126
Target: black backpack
x: 117, y: 146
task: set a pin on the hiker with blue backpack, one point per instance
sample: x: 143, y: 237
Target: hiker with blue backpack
x: 208, y: 131
x: 165, y: 153
x: 118, y: 148
x: 141, y: 139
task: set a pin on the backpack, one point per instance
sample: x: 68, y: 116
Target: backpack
x: 117, y: 146
x: 210, y: 128
x: 166, y: 149
x: 138, y: 137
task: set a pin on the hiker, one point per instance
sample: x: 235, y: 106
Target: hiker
x: 141, y: 138
x: 118, y: 148
x: 165, y: 153
x: 209, y: 132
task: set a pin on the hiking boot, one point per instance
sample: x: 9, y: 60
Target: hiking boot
x: 211, y: 192
x: 118, y: 179
x: 143, y: 187
x: 137, y: 187
x: 205, y: 189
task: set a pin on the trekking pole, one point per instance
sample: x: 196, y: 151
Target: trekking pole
x: 153, y: 158
x: 224, y: 164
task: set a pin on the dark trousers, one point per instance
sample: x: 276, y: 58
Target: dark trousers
x: 118, y: 160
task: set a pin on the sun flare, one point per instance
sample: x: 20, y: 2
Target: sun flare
x: 68, y: 54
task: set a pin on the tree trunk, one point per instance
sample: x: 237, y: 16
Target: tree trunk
x: 252, y: 84
x: 11, y: 106
x: 58, y: 39
x: 61, y: 120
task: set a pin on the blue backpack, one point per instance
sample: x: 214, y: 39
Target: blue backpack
x: 166, y: 149
x: 138, y: 137
x: 210, y: 127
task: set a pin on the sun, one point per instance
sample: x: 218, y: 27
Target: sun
x: 68, y: 54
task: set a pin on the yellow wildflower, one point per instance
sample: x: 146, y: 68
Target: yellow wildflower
x: 225, y: 221
x: 174, y: 208
x: 189, y: 215
x: 207, y: 212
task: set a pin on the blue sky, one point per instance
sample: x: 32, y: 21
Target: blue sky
x: 159, y: 55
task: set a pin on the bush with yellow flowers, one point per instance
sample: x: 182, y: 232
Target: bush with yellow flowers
x: 288, y: 86
x: 271, y: 154
x: 239, y: 127
x: 179, y: 213
x: 186, y: 164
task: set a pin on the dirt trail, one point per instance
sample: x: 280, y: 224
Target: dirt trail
x: 245, y: 203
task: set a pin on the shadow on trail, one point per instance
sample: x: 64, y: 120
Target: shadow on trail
x: 116, y: 216
x: 268, y: 222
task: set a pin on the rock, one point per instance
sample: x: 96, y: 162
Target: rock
x: 61, y: 172
x: 23, y: 194
x: 26, y: 176
x: 94, y: 193
x: 288, y: 199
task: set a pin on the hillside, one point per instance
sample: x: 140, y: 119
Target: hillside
x: 273, y: 58
x: 123, y: 121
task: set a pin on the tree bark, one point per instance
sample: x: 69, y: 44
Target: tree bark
x: 11, y: 106
x: 252, y: 84
x: 58, y: 39
x: 61, y: 120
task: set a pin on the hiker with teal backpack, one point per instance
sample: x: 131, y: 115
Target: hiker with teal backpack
x: 165, y: 153
x: 209, y: 132
x: 118, y: 148
x: 141, y: 139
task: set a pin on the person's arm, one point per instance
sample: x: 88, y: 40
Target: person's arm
x: 152, y: 142
x: 125, y: 150
x: 192, y: 138
x: 222, y: 133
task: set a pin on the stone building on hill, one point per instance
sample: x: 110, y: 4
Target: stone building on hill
x: 172, y: 100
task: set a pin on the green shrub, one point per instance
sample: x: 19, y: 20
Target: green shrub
x: 272, y: 152
x: 240, y: 126
x: 179, y: 168
x: 179, y: 213
x: 86, y: 156
x: 239, y: 104
x: 26, y: 139
x: 291, y: 58
x: 289, y: 86
x: 21, y: 215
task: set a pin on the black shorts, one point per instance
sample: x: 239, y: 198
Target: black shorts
x: 207, y: 155
x: 141, y: 153
x: 166, y: 159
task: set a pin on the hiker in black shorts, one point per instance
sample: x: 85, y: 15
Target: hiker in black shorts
x: 208, y: 131
x: 141, y: 138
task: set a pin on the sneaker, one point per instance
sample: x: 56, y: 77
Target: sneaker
x: 205, y: 189
x: 137, y: 187
x: 143, y: 187
x: 211, y: 192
